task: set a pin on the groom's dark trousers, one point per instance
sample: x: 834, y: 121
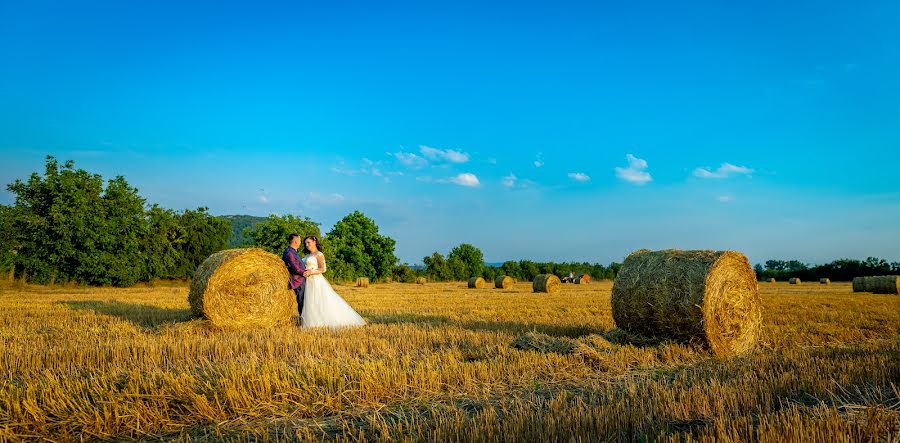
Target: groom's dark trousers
x: 295, y: 266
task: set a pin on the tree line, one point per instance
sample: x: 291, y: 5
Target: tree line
x: 844, y: 269
x: 70, y: 226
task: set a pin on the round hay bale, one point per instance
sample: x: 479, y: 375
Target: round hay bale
x: 771, y: 280
x: 421, y: 281
x: 546, y: 283
x: 884, y: 284
x: 794, y: 281
x: 503, y: 282
x: 824, y: 281
x: 476, y: 283
x: 362, y: 282
x: 859, y: 284
x: 582, y: 279
x: 706, y: 296
x: 242, y: 287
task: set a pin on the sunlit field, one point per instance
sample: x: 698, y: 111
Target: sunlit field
x: 437, y: 363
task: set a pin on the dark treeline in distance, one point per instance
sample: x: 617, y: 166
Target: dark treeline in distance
x: 844, y: 269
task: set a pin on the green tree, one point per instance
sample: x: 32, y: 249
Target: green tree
x: 359, y: 250
x: 403, y: 274
x: 436, y: 267
x: 456, y: 269
x: 271, y: 234
x: 472, y: 259
x: 203, y: 234
x: 511, y: 269
x: 8, y: 241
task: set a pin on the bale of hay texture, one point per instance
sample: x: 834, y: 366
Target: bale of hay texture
x: 242, y: 287
x: 582, y: 279
x: 362, y: 282
x: 884, y: 284
x: 421, y: 281
x: 859, y: 284
x: 707, y: 296
x: 771, y: 280
x: 503, y: 282
x: 824, y: 281
x: 546, y: 283
x: 794, y: 281
x: 476, y: 283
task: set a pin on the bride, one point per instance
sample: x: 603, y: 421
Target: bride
x: 321, y: 305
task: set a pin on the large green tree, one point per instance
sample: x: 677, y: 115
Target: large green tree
x: 8, y: 241
x: 271, y: 234
x: 436, y: 267
x: 357, y: 249
x: 471, y: 258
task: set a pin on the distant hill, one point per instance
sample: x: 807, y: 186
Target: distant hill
x: 238, y: 224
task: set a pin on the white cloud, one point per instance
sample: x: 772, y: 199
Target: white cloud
x: 410, y: 160
x: 635, y: 172
x: 466, y: 179
x: 263, y: 199
x: 725, y: 198
x: 579, y: 177
x: 509, y: 181
x: 441, y: 155
x: 724, y: 171
x: 539, y: 161
x: 492, y: 161
x: 315, y: 198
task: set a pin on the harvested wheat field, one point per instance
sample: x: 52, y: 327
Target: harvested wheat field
x: 443, y: 363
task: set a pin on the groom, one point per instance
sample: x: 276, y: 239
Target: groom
x: 295, y: 266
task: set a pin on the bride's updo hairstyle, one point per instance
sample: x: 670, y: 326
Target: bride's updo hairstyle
x: 313, y: 238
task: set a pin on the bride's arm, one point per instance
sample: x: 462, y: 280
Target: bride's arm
x: 320, y: 259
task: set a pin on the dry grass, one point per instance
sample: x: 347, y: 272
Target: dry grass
x: 437, y: 363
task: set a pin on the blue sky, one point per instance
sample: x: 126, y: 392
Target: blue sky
x: 540, y: 130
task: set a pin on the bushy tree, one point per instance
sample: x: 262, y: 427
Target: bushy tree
x: 471, y: 258
x: 272, y: 233
x: 359, y: 250
x: 512, y: 269
x: 8, y: 241
x: 403, y: 274
x: 436, y: 267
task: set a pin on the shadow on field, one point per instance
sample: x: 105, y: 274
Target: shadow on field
x: 572, y: 331
x: 145, y: 316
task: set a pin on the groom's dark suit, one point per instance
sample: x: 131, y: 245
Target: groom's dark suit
x: 296, y: 267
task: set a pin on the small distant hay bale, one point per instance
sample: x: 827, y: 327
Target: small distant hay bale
x: 546, y: 283
x: 711, y: 297
x: 582, y: 279
x: 824, y: 281
x: 771, y: 280
x: 476, y: 283
x: 883, y: 284
x: 859, y: 284
x: 794, y: 281
x: 238, y: 288
x: 503, y: 282
x: 362, y: 282
x: 421, y: 281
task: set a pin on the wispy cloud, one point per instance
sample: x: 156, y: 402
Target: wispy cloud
x: 635, y: 172
x: 410, y: 159
x: 724, y: 171
x: 725, y: 198
x: 263, y: 199
x: 466, y: 179
x: 539, y: 161
x: 579, y: 177
x: 509, y: 181
x: 443, y: 155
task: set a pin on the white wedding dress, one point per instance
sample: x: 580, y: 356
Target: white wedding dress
x: 321, y: 305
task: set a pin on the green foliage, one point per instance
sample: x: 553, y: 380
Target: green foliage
x: 404, y: 274
x: 358, y: 250
x: 844, y: 269
x: 66, y: 225
x: 271, y: 234
x: 471, y: 258
x: 239, y: 225
x: 436, y: 268
x: 8, y: 241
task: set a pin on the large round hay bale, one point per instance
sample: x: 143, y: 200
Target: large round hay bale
x: 546, y: 283
x: 242, y: 287
x: 859, y: 284
x: 421, y: 281
x: 476, y: 283
x: 824, y: 281
x: 771, y: 280
x: 794, y: 281
x: 582, y: 279
x: 706, y: 296
x: 362, y: 282
x: 884, y: 284
x: 503, y: 282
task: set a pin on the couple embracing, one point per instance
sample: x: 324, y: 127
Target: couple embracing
x: 317, y: 302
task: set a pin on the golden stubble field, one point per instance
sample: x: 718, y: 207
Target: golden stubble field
x: 436, y: 363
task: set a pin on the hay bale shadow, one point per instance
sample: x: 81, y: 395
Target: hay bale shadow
x: 144, y: 316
